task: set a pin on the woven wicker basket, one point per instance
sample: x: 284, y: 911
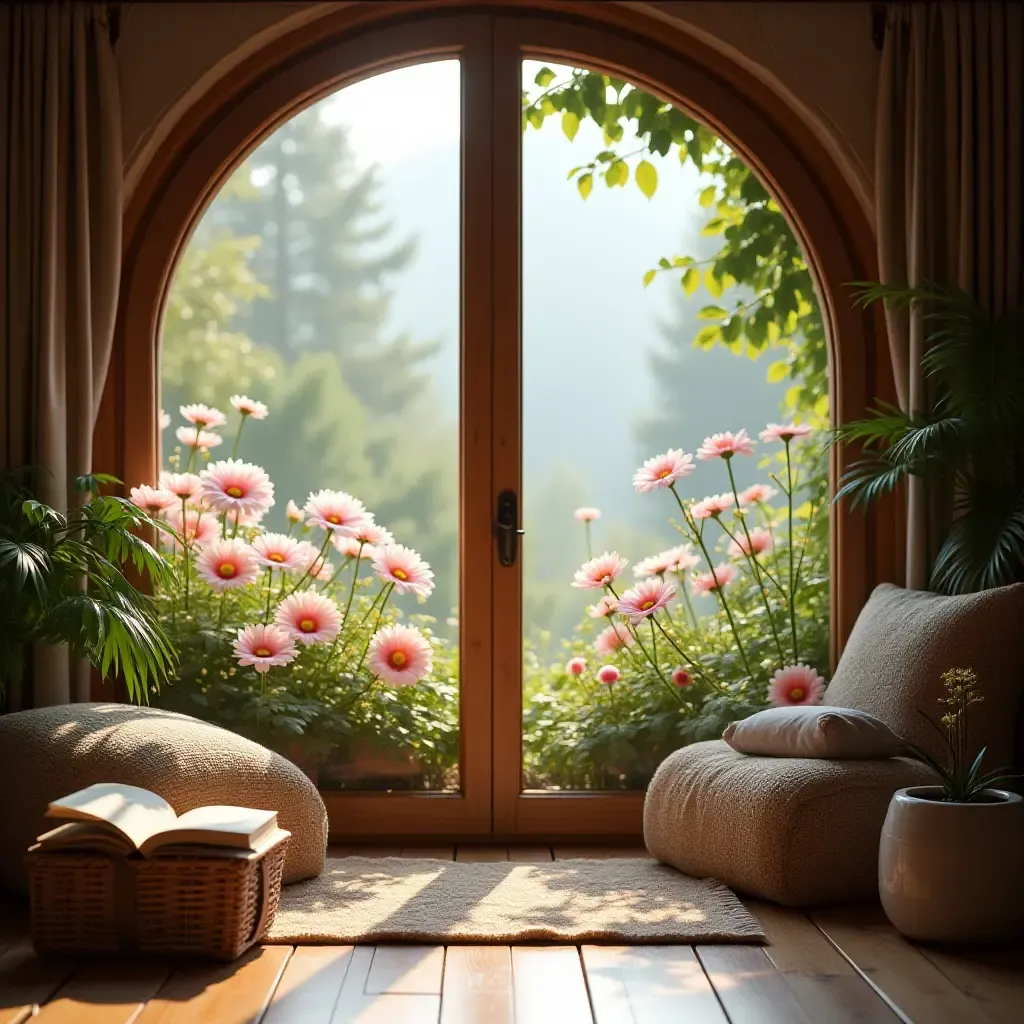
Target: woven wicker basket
x: 85, y: 902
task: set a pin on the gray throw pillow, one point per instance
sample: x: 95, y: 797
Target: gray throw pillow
x: 814, y: 731
x: 904, y: 640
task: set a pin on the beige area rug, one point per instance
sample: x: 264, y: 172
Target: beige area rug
x: 362, y: 900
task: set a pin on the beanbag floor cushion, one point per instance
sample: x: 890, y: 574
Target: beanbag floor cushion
x: 47, y: 753
x: 798, y: 831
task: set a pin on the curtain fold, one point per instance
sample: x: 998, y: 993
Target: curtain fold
x: 60, y: 228
x: 948, y: 188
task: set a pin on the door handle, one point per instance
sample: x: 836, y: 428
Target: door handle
x: 506, y: 528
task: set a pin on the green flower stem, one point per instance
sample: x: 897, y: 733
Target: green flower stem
x: 590, y: 549
x: 682, y: 654
x: 185, y: 547
x: 651, y: 660
x: 615, y: 710
x: 803, y: 546
x: 688, y: 602
x: 352, y: 588
x: 238, y: 436
x: 223, y: 603
x: 380, y: 612
x: 699, y: 534
x: 383, y: 592
x: 234, y: 532
x: 792, y: 575
x: 319, y: 558
x: 341, y: 569
x: 270, y: 587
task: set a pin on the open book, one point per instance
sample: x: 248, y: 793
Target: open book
x: 127, y: 819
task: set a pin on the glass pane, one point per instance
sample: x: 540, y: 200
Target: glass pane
x: 635, y: 342
x: 323, y: 282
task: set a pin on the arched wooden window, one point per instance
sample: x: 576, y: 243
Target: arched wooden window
x: 499, y: 296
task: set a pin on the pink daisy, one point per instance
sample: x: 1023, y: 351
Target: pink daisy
x: 608, y: 674
x: 374, y: 534
x: 309, y: 617
x: 165, y: 420
x: 203, y: 416
x: 184, y: 485
x: 798, y: 684
x: 262, y: 647
x: 196, y: 529
x: 663, y: 470
x: 656, y: 565
x: 708, y: 582
x: 760, y: 540
x: 785, y: 432
x: 151, y: 499
x: 712, y: 506
x: 575, y: 666
x: 757, y: 493
x: 681, y: 677
x: 605, y: 607
x: 277, y: 551
x: 726, y: 445
x: 403, y: 567
x: 293, y: 513
x: 234, y: 487
x: 351, y: 547
x: 600, y: 571
x: 587, y: 514
x: 249, y: 407
x: 614, y: 638
x: 400, y: 655
x: 683, y: 558
x: 337, y: 511
x: 645, y: 599
x: 225, y: 564
x: 195, y: 437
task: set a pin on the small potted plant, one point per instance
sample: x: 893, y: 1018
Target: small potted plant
x: 949, y: 866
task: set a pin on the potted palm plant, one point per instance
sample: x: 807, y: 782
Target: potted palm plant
x: 62, y: 582
x: 969, y: 444
x: 950, y: 855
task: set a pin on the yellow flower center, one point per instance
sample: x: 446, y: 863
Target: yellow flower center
x: 646, y: 605
x: 664, y: 473
x: 307, y: 625
x: 227, y: 570
x: 400, y: 574
x: 332, y: 518
x: 797, y: 693
x: 234, y: 491
x: 397, y: 659
x: 275, y: 556
x: 262, y: 652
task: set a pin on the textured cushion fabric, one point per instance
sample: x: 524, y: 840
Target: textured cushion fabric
x: 814, y: 731
x: 47, y: 753
x: 794, y: 830
x: 904, y: 640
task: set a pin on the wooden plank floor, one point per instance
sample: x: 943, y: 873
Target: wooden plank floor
x: 830, y: 966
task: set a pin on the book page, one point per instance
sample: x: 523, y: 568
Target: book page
x: 134, y: 812
x: 270, y: 838
x: 82, y: 835
x: 237, y: 827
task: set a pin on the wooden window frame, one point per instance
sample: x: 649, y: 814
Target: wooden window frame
x: 369, y: 38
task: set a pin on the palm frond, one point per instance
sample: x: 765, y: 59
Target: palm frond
x: 985, y: 545
x: 26, y: 563
x: 882, y: 427
x: 868, y: 479
x: 943, y: 441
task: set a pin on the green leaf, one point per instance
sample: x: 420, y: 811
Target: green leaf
x: 712, y: 283
x: 683, y: 152
x: 646, y: 178
x: 713, y: 313
x: 779, y: 370
x: 690, y: 281
x: 714, y: 227
x: 570, y: 125
x: 585, y: 183
x: 649, y: 277
x: 544, y: 77
x: 617, y: 174
x: 707, y: 196
x: 708, y: 336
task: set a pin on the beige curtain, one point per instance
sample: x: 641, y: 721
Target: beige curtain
x: 949, y: 180
x: 60, y: 247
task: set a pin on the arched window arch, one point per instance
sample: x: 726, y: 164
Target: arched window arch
x: 494, y: 284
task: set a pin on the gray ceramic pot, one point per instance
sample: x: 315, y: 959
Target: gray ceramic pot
x: 950, y: 872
